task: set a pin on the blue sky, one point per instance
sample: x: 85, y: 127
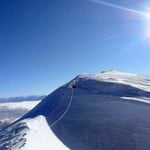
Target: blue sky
x: 44, y: 44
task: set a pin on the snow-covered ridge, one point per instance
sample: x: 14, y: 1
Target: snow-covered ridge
x: 35, y: 134
x: 40, y: 132
x: 109, y: 110
x: 135, y: 80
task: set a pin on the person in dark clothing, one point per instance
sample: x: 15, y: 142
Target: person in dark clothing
x: 73, y: 86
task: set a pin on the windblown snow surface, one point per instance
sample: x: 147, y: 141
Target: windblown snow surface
x: 107, y: 111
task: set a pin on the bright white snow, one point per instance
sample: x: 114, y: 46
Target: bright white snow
x: 102, y: 115
x: 135, y: 80
x: 140, y: 99
x: 40, y: 136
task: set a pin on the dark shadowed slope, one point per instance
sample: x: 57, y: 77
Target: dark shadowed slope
x: 109, y: 111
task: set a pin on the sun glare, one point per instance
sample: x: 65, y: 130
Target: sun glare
x: 143, y: 14
x: 146, y: 24
x: 146, y: 15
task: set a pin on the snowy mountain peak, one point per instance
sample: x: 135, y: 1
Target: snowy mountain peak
x: 135, y: 80
x: 108, y: 110
x: 116, y: 72
x: 109, y: 73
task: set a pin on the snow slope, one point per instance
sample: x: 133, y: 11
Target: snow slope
x: 107, y: 111
x: 41, y: 133
x: 135, y: 80
x: 31, y: 134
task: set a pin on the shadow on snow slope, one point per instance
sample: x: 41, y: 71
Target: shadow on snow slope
x: 98, y: 119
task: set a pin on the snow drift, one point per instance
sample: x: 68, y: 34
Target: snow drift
x: 107, y: 111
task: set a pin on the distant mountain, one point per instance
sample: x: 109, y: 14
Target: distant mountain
x: 105, y: 111
x: 22, y: 98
